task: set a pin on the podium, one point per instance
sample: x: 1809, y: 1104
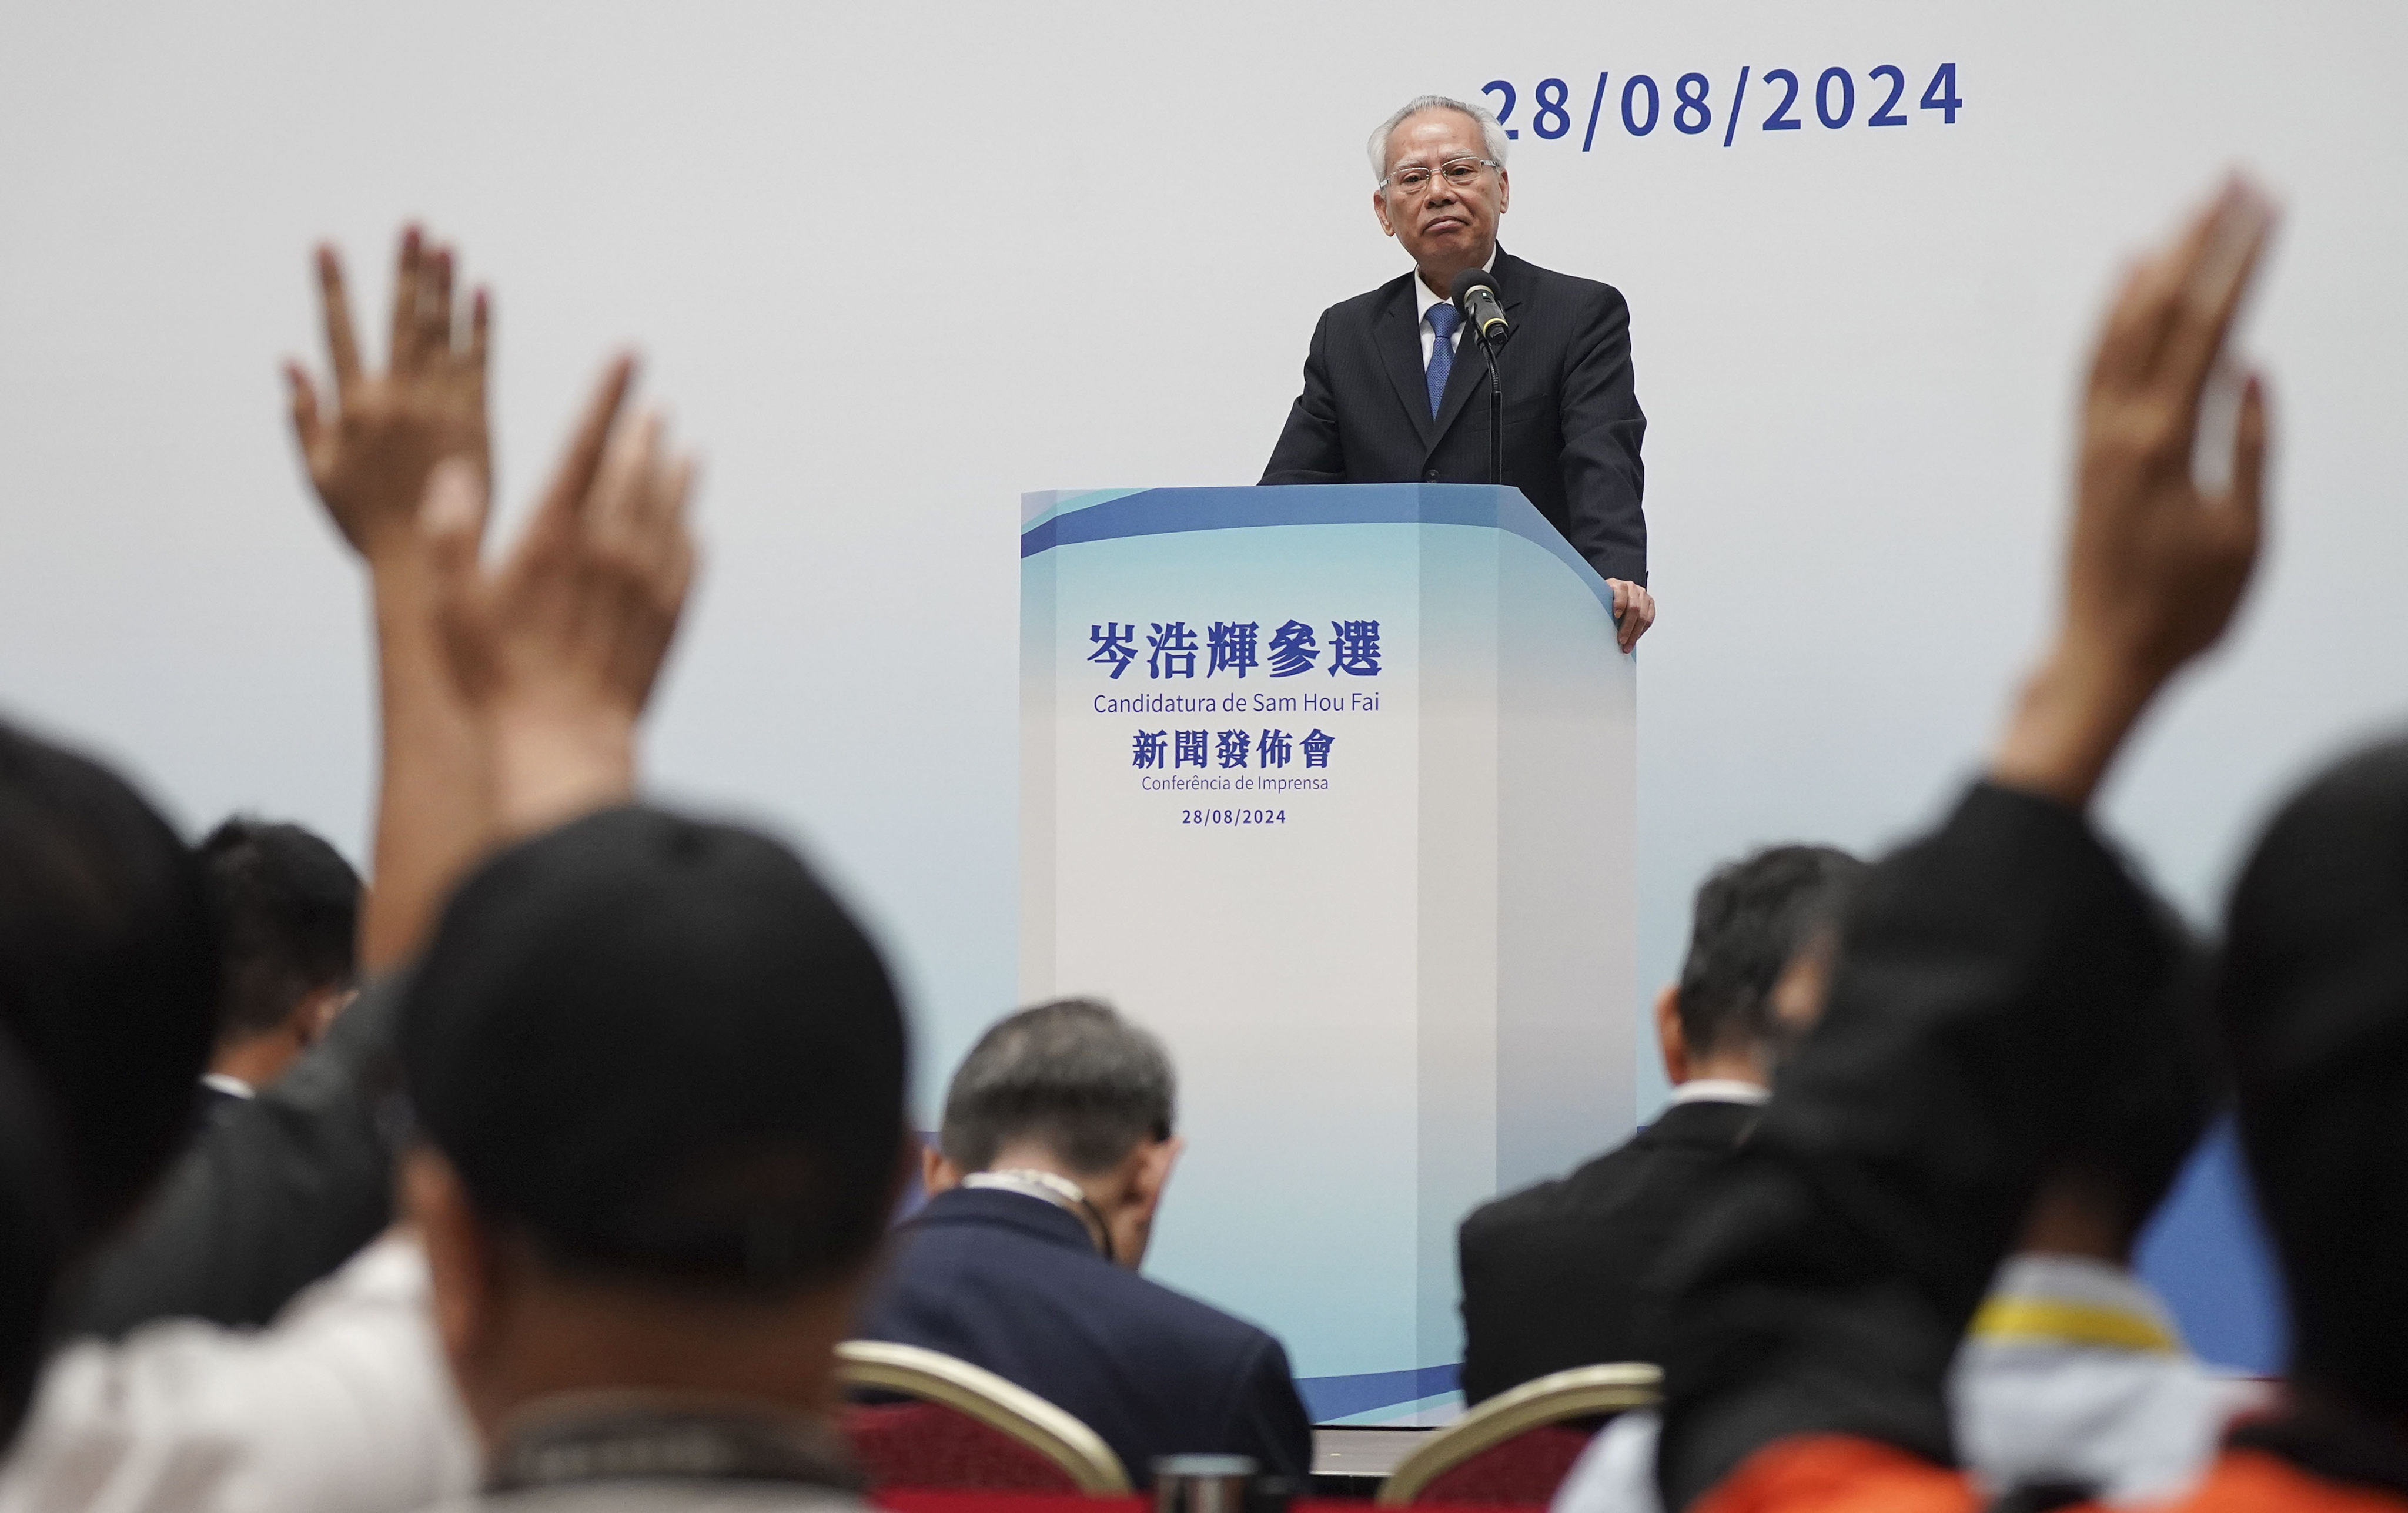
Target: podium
x: 1332, y: 788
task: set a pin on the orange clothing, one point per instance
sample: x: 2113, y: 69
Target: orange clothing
x: 2253, y: 1481
x: 1838, y: 1474
x: 1842, y: 1473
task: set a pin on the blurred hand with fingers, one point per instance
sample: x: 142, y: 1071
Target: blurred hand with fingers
x: 370, y: 448
x: 556, y: 649
x: 2157, y: 563
x: 370, y: 457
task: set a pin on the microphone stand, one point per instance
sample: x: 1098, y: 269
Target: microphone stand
x: 1496, y: 410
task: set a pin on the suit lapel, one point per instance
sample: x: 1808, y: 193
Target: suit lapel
x: 1510, y: 281
x: 1398, y: 337
x: 1470, y: 375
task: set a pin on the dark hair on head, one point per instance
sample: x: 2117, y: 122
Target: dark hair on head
x: 1072, y: 1076
x: 288, y: 912
x: 1751, y: 915
x: 660, y: 1051
x: 2314, y: 1000
x: 107, y: 968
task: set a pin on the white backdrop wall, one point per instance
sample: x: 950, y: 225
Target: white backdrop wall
x: 892, y: 266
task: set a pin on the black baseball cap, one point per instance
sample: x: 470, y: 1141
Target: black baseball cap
x: 661, y: 1046
x: 2315, y: 1002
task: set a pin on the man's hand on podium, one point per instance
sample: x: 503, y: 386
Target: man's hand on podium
x: 1634, y: 610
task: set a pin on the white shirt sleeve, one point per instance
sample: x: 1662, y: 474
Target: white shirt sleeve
x: 343, y: 1404
x: 2092, y: 1386
x: 1616, y: 1473
x: 2138, y: 1427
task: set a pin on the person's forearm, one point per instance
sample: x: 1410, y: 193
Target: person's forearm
x: 548, y: 771
x: 1605, y: 490
x: 434, y: 802
x: 275, y: 1193
x: 2069, y: 718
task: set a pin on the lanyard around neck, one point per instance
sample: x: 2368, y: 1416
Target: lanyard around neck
x: 1056, y: 1189
x: 618, y: 1442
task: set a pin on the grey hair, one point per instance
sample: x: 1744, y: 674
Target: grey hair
x: 1492, y: 131
x: 1072, y: 1076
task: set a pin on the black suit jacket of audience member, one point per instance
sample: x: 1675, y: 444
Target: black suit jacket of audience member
x: 275, y: 1191
x: 1554, y: 1275
x: 1013, y: 1283
x: 1572, y: 423
x: 209, y: 1103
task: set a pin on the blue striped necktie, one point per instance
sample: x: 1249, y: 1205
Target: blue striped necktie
x: 1443, y: 318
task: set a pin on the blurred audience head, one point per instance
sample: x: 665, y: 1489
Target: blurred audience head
x: 288, y: 910
x: 1073, y: 1089
x: 2168, y: 1079
x: 107, y: 970
x: 658, y: 1071
x: 1762, y: 938
x: 2315, y: 1007
x: 34, y: 1232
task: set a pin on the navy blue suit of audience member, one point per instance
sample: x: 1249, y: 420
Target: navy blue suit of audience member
x: 1013, y: 1283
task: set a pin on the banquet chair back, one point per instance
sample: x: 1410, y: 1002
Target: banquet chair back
x: 962, y: 1426
x: 1518, y: 1445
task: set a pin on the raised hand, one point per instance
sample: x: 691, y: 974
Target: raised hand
x: 557, y: 649
x: 2157, y: 563
x: 371, y: 457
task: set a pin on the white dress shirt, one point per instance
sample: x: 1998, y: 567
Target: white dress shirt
x: 343, y: 1404
x: 2071, y: 1372
x: 1424, y: 298
x: 1719, y: 1090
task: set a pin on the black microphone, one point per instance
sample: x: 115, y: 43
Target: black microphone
x: 1475, y: 295
x: 1475, y: 292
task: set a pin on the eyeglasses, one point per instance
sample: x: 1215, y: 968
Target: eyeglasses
x: 1461, y: 173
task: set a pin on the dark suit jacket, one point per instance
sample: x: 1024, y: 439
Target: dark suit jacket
x: 1572, y: 425
x: 274, y: 1193
x: 2001, y: 985
x: 209, y: 1103
x: 1554, y: 1274
x: 1013, y: 1284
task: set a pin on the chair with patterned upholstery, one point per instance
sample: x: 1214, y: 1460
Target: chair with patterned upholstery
x: 1518, y: 1445
x: 964, y: 1427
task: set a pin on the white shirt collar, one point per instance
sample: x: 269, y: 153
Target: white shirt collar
x: 1058, y: 1190
x: 1424, y: 299
x: 233, y: 1086
x: 1718, y: 1090
x: 1047, y: 1187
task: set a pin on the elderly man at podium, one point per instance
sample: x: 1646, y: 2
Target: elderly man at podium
x: 1394, y: 391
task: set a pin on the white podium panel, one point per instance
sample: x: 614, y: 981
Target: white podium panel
x: 1332, y: 788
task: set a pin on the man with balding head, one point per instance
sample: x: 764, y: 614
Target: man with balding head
x: 1043, y: 1187
x: 1395, y: 393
